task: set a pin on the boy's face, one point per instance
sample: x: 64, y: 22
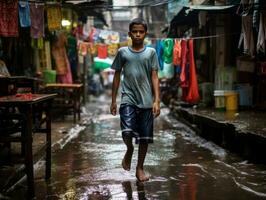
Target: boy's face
x: 137, y: 33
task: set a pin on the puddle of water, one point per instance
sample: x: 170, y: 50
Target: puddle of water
x: 181, y: 164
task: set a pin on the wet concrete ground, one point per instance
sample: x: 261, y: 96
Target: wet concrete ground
x: 182, y: 165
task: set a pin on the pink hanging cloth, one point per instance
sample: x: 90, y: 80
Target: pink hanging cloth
x: 193, y: 92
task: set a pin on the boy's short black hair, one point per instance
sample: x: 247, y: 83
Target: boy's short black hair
x: 138, y: 21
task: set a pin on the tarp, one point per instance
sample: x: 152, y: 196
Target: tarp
x: 188, y: 16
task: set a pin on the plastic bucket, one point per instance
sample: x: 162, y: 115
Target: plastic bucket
x: 231, y: 100
x: 49, y: 76
x: 245, y: 92
x: 219, y: 99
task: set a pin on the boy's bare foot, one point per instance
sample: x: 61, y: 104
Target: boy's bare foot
x: 126, y: 162
x: 141, y: 175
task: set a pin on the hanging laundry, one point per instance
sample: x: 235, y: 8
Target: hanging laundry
x: 202, y: 19
x: 37, y: 43
x: 256, y: 15
x: 102, y: 51
x: 168, y: 45
x: 246, y: 36
x: 262, y: 34
x: 159, y: 50
x: 37, y: 20
x: 177, y: 53
x: 24, y: 14
x: 94, y: 34
x: 183, y: 74
x: 86, y: 29
x: 62, y: 65
x: 78, y: 32
x: 114, y: 37
x: 193, y: 90
x: 244, y: 10
x: 109, y: 36
x: 168, y: 70
x: 54, y: 18
x: 112, y: 49
x: 83, y: 48
x: 71, y: 46
x: 72, y: 55
x: 9, y: 18
x: 94, y: 49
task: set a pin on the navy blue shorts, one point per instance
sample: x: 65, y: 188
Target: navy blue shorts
x: 137, y: 122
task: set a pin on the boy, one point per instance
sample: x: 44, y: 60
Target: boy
x: 140, y: 99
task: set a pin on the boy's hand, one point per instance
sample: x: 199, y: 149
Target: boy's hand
x: 113, y: 108
x: 156, y: 109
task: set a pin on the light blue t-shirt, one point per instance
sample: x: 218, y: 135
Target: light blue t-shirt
x: 136, y: 67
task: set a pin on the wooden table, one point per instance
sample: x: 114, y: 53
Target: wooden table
x: 26, y: 105
x: 68, y: 96
x: 10, y: 85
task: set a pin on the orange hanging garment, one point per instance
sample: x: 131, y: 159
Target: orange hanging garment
x: 177, y: 53
x: 193, y: 92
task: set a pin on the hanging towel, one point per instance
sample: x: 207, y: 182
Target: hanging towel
x: 168, y: 45
x: 193, y: 93
x: 54, y: 18
x: 159, y: 51
x: 37, y: 20
x: 177, y: 53
x: 24, y: 14
x: 9, y: 18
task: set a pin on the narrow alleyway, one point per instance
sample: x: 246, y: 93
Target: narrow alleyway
x: 182, y: 165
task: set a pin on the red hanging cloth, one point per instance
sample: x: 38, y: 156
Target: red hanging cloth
x: 102, y: 51
x: 183, y: 77
x: 193, y: 93
x: 183, y: 74
x: 9, y: 18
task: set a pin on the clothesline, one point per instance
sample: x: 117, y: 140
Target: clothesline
x: 40, y: 2
x: 196, y: 37
x: 179, y: 38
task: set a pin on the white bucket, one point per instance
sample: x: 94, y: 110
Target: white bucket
x: 219, y: 99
